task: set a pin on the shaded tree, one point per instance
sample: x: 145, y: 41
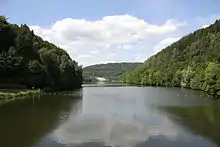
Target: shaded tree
x: 28, y: 60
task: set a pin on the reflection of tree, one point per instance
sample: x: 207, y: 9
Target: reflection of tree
x: 163, y: 141
x: 91, y: 144
x: 201, y: 120
x: 24, y: 123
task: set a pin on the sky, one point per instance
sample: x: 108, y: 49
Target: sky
x: 103, y: 31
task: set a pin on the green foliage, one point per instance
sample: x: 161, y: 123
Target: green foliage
x: 110, y: 71
x: 212, y: 77
x: 208, y: 118
x: 192, y: 62
x: 20, y: 93
x: 26, y: 59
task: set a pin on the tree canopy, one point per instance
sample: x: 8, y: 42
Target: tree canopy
x: 111, y: 71
x: 28, y: 60
x: 192, y: 62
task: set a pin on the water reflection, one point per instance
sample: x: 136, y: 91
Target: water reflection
x: 112, y: 117
x: 23, y: 123
x: 201, y: 120
x: 163, y: 141
x: 127, y: 117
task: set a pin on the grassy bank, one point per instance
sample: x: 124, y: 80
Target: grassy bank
x: 14, y: 94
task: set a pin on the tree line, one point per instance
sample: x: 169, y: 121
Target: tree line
x: 112, y: 72
x: 192, y: 62
x: 26, y: 60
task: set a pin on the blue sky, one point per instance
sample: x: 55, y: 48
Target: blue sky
x: 44, y: 12
x: 55, y: 21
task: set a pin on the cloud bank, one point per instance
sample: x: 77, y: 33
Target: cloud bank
x: 112, y: 38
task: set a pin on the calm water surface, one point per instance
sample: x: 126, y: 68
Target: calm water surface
x: 106, y: 116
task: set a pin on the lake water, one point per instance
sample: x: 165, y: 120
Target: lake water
x: 108, y: 116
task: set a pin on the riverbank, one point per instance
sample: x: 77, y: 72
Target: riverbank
x: 215, y: 94
x: 14, y: 94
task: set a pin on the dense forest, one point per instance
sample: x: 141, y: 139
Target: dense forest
x: 112, y: 71
x: 192, y: 62
x: 28, y: 61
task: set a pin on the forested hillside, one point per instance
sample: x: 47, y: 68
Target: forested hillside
x: 28, y: 61
x: 110, y: 71
x: 193, y: 62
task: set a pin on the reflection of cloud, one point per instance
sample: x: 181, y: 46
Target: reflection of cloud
x: 104, y: 121
x: 124, y: 118
x: 99, y: 132
x: 112, y: 131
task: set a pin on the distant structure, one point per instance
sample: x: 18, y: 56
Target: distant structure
x: 101, y: 79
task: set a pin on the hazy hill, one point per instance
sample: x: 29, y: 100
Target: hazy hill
x: 110, y: 71
x: 193, y: 62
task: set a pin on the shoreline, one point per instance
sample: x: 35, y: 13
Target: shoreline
x: 8, y: 95
x: 217, y: 94
x: 16, y: 94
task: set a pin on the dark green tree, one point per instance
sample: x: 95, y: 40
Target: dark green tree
x: 28, y: 60
x: 191, y: 62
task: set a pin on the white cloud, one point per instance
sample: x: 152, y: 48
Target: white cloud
x: 164, y: 43
x: 205, y: 26
x: 140, y: 58
x: 84, y: 56
x: 127, y: 46
x: 104, y: 62
x: 111, y: 55
x: 86, y: 59
x: 94, y: 52
x: 111, y: 34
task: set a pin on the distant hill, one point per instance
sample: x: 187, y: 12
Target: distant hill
x: 192, y: 62
x: 110, y: 71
